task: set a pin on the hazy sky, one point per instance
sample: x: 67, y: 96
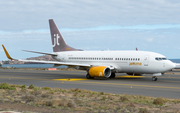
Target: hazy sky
x: 149, y: 25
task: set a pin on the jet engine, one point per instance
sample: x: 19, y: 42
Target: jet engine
x: 100, y: 71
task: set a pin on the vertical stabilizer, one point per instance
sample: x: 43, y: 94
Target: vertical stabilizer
x: 58, y: 42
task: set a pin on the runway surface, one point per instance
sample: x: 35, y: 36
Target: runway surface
x: 167, y: 86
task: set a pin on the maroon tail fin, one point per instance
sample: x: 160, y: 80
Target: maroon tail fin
x: 58, y: 42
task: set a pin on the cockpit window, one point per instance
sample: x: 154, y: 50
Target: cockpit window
x: 159, y: 58
x: 164, y: 58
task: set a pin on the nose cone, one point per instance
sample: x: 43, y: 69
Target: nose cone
x: 171, y: 65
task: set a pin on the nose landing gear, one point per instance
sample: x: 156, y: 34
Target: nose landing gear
x: 154, y: 78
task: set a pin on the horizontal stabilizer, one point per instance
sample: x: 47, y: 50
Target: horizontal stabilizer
x: 53, y: 54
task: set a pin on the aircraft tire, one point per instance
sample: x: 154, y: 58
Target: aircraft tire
x: 112, y: 75
x: 89, y: 77
x: 154, y: 78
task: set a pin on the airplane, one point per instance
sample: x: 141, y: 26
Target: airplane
x: 103, y: 63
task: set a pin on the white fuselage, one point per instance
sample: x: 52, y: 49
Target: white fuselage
x: 123, y: 61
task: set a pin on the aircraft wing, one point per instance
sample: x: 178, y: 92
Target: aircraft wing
x: 56, y: 63
x: 46, y: 62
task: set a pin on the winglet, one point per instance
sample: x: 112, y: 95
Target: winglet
x: 7, y: 54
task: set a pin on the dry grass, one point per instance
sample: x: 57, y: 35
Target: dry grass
x: 158, y: 101
x: 77, y: 100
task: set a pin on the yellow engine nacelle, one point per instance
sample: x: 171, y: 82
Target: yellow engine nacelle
x: 100, y: 71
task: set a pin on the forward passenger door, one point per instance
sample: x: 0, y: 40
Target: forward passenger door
x: 146, y: 60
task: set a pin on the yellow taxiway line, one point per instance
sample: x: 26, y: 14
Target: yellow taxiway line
x: 76, y: 79
x: 71, y: 79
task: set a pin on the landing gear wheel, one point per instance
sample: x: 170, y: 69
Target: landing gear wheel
x: 112, y: 75
x: 154, y: 78
x: 89, y: 77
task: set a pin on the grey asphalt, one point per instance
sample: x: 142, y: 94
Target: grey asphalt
x: 167, y: 86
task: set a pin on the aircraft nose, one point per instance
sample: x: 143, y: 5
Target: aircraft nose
x: 171, y: 65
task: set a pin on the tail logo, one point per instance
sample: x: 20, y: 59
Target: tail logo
x: 56, y: 37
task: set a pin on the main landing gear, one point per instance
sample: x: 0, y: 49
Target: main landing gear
x: 89, y: 77
x: 112, y: 75
x: 154, y: 78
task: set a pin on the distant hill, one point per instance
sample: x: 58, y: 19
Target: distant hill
x: 44, y: 58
